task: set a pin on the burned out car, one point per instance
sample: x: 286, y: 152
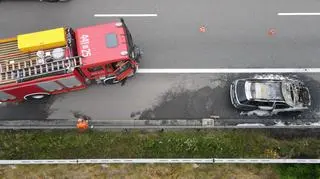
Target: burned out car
x: 274, y: 95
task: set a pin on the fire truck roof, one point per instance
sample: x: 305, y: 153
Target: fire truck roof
x: 101, y: 43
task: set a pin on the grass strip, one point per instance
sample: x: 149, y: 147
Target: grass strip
x: 169, y: 144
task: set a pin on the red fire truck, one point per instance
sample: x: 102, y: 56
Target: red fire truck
x: 36, y: 65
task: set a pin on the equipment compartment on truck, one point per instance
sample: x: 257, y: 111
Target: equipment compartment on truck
x: 17, y: 65
x: 12, y: 58
x: 49, y: 62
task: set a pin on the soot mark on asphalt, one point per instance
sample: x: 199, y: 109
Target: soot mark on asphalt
x: 194, y: 104
x: 207, y: 101
x: 188, y: 104
x: 28, y: 110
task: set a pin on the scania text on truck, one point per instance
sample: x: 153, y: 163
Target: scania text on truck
x: 37, y: 65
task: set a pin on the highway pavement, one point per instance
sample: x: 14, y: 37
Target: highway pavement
x: 236, y: 36
x: 156, y: 96
x: 236, y: 30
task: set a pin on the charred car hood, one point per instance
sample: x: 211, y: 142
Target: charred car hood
x: 303, y: 96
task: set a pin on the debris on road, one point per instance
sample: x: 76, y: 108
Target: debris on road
x: 82, y: 124
x: 202, y: 28
x: 272, y: 32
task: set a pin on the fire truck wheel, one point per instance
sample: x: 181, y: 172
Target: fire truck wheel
x: 37, y: 96
x: 110, y: 81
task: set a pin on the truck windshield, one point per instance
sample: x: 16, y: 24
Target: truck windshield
x: 129, y: 37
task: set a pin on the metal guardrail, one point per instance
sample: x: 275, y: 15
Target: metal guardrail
x: 154, y: 124
x: 157, y: 161
x: 155, y: 127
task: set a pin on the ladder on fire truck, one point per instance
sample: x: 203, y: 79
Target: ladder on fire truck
x: 40, y: 69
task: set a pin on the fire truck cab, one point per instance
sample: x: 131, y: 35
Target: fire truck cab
x: 108, y: 57
x: 40, y: 64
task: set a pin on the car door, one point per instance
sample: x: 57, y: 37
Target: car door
x: 280, y: 105
x: 266, y: 106
x: 283, y: 108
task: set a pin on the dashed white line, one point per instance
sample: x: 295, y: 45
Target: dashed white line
x: 230, y: 70
x: 299, y: 14
x: 125, y: 15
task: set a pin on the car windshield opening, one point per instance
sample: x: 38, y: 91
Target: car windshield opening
x: 291, y: 93
x: 288, y: 93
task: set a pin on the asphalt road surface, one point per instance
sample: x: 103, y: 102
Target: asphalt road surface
x: 145, y: 97
x: 236, y: 36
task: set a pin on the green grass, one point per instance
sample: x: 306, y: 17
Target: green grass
x: 170, y: 144
x: 193, y: 144
x: 297, y: 171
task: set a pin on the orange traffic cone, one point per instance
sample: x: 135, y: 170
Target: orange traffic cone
x: 82, y: 125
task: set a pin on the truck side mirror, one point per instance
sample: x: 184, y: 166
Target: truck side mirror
x: 121, y: 20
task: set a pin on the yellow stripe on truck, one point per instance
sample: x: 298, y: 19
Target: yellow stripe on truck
x: 42, y: 40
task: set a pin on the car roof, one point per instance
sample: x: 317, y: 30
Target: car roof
x: 264, y: 90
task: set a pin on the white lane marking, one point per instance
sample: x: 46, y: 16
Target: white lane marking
x: 232, y: 70
x: 125, y: 15
x: 299, y: 14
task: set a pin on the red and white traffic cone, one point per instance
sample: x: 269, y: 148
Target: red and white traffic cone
x: 202, y: 28
x: 272, y: 32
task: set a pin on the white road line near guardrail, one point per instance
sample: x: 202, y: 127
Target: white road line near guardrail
x: 157, y: 160
x: 230, y: 70
x: 125, y: 15
x: 300, y: 14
